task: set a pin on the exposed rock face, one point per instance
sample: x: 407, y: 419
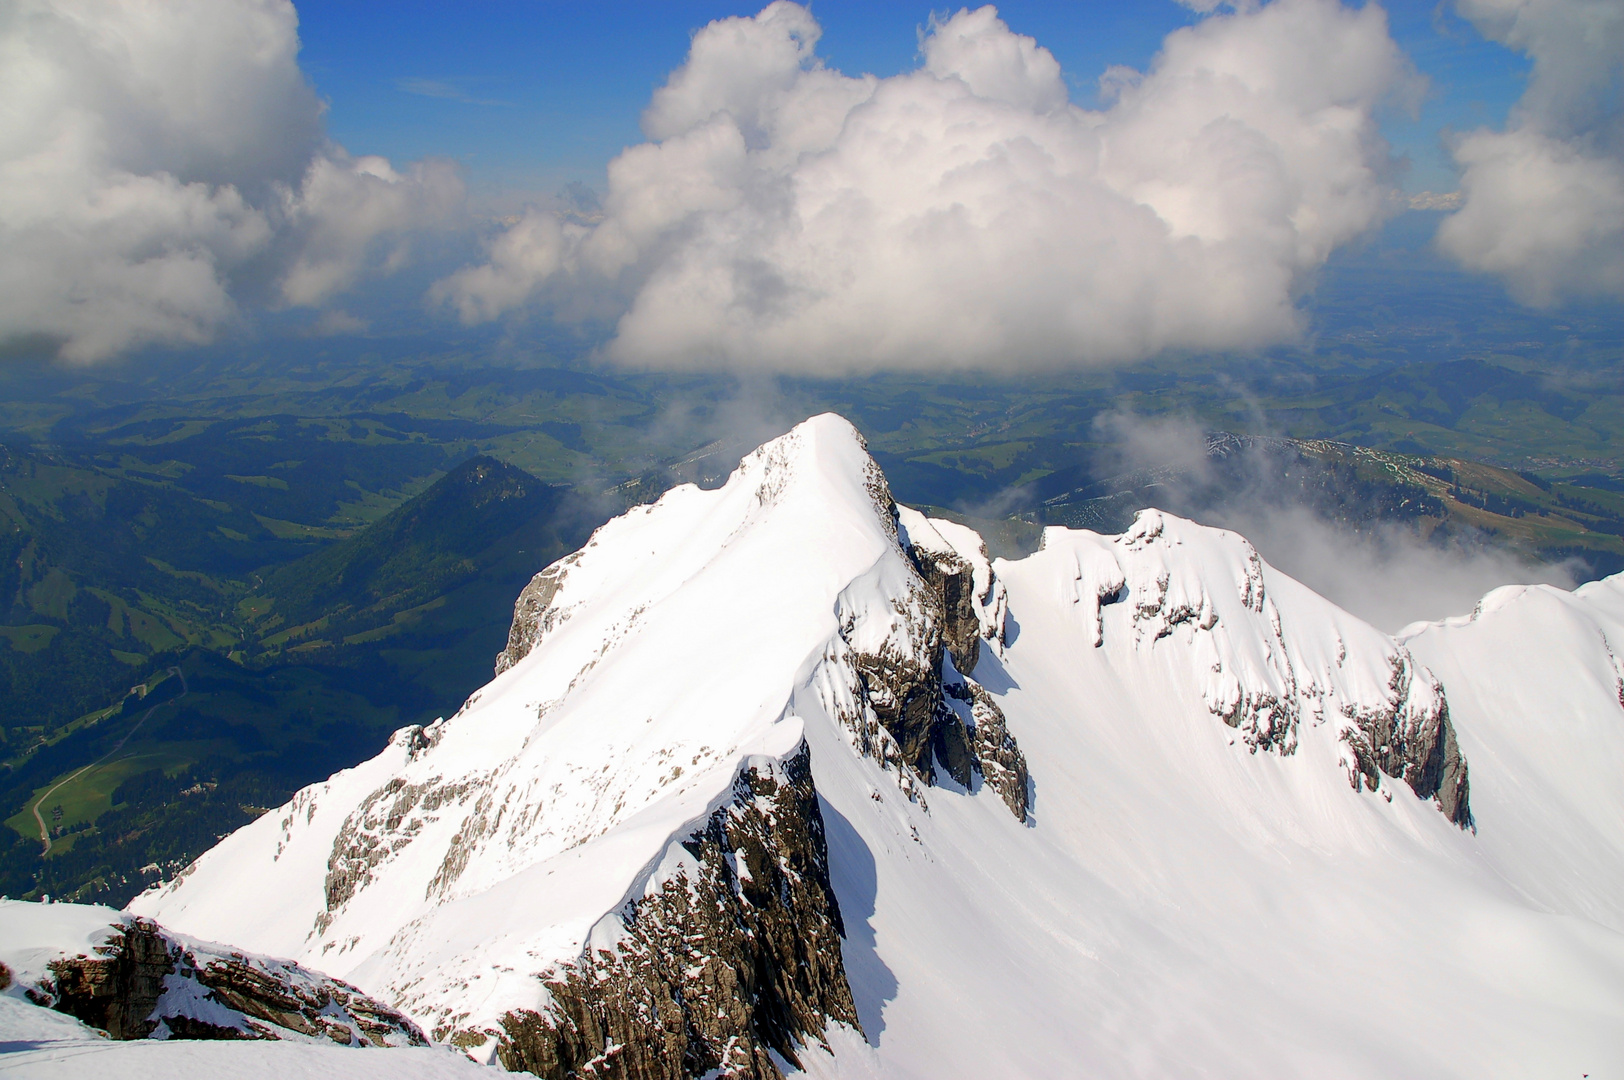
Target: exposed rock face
x: 994, y: 752
x: 119, y: 990
x: 327, y: 1007
x: 1413, y: 744
x: 533, y: 615
x: 973, y: 741
x: 952, y: 581
x: 902, y: 660
x: 954, y: 747
x: 904, y: 688
x: 144, y: 983
x: 735, y: 953
x: 388, y: 818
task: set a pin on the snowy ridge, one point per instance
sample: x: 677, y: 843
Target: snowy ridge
x: 1130, y: 806
x: 1257, y: 670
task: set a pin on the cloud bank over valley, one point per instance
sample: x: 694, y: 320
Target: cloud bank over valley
x: 165, y: 171
x: 1544, y: 197
x: 161, y: 163
x: 967, y: 214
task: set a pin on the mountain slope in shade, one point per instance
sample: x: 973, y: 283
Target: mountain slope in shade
x: 784, y: 776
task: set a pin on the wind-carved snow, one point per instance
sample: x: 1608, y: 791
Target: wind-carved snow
x: 1124, y: 778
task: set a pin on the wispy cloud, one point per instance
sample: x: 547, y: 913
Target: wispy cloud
x: 1436, y: 200
x: 1331, y: 536
x: 443, y: 89
x: 336, y: 321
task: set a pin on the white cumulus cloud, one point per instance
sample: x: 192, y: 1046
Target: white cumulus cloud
x: 1543, y: 199
x: 784, y: 215
x: 344, y: 204
x: 155, y: 158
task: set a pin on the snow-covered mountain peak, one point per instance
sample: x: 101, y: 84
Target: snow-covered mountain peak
x: 646, y: 674
x: 764, y: 768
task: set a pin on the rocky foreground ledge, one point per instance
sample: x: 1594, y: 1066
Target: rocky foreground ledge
x: 132, y: 979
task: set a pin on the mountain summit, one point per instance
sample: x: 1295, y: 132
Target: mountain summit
x: 784, y: 776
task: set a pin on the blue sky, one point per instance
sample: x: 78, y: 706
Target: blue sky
x: 528, y: 96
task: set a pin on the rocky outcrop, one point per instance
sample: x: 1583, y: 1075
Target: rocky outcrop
x: 263, y: 992
x: 1411, y: 740
x: 533, y: 614
x: 117, y: 991
x: 145, y: 983
x: 904, y: 689
x: 994, y: 752
x: 730, y: 952
x: 951, y: 580
x: 909, y: 688
x: 898, y: 662
x: 386, y: 821
x: 902, y: 685
x: 953, y: 745
x: 1403, y: 733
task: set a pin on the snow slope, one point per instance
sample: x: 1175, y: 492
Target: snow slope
x: 38, y: 1044
x: 1535, y: 679
x: 1184, y: 906
x: 1224, y: 868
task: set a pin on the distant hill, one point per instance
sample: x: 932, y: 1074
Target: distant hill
x: 476, y: 515
x: 395, y: 624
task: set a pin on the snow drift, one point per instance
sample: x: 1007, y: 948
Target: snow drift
x: 784, y: 776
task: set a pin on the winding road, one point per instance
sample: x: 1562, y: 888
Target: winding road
x: 45, y: 833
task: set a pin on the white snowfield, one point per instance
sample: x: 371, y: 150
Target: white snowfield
x: 1201, y: 889
x: 38, y: 1044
